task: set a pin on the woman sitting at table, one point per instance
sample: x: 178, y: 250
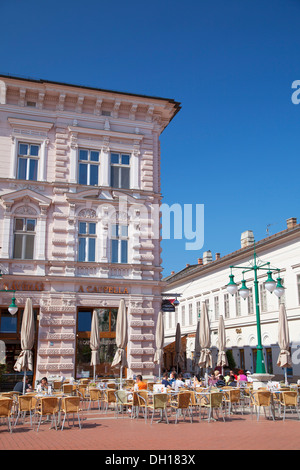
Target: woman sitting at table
x: 165, y: 380
x: 178, y: 383
x: 44, y: 384
x: 140, y: 385
x: 242, y: 377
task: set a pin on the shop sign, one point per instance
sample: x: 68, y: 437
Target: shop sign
x: 167, y: 306
x: 103, y: 289
x: 24, y: 286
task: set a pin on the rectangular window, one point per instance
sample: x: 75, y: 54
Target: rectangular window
x: 238, y: 304
x: 119, y: 244
x: 28, y: 160
x: 183, y: 315
x: 87, y: 241
x: 263, y: 298
x: 198, y: 308
x: 217, y: 307
x: 24, y: 233
x: 250, y: 302
x: 190, y: 314
x: 89, y: 164
x: 226, y: 305
x: 120, y: 170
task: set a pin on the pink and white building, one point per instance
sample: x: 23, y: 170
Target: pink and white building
x: 79, y: 220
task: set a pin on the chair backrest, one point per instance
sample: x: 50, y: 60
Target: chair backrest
x: 262, y: 397
x: 216, y: 399
x: 234, y: 395
x: 184, y: 399
x: 57, y: 385
x: 290, y: 398
x: 110, y: 395
x: 84, y: 381
x: 67, y: 388
x: 129, y: 383
x: 111, y: 385
x: 121, y: 396
x: 150, y: 386
x: 95, y: 393
x: 160, y: 400
x: 25, y: 403
x: 71, y: 404
x: 5, y: 407
x: 49, y: 405
x: 143, y: 397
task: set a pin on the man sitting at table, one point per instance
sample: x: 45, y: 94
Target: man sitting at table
x: 165, y: 380
x: 140, y: 384
x: 19, y: 386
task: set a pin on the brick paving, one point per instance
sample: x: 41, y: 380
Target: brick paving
x: 104, y: 432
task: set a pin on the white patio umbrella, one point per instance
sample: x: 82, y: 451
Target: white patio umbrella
x: 205, y: 360
x: 159, y: 341
x: 25, y: 359
x: 120, y: 359
x: 94, y: 343
x: 178, y: 345
x: 197, y: 345
x: 284, y: 359
x: 222, y: 358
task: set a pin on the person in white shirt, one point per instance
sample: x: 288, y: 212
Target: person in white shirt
x: 178, y: 383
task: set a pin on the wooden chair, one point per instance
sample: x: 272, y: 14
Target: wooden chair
x: 24, y: 406
x: 95, y: 395
x: 47, y: 406
x: 109, y: 398
x: 6, y: 404
x: 143, y: 402
x: 150, y: 386
x: 262, y: 398
x: 232, y: 398
x: 289, y: 399
x: 122, y: 401
x: 57, y: 385
x: 71, y: 405
x: 160, y: 401
x: 214, y: 401
x: 67, y: 389
x: 183, y: 405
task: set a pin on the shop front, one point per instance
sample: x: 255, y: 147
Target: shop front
x: 10, y: 347
x: 107, y: 318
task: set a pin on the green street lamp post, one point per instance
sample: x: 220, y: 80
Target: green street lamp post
x: 270, y: 285
x: 13, y: 307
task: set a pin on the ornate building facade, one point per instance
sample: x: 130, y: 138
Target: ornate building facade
x: 79, y: 220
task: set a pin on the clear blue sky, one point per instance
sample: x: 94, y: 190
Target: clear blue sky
x: 235, y: 145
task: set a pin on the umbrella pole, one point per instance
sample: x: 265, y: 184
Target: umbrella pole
x: 121, y: 370
x: 24, y: 380
x: 285, y: 376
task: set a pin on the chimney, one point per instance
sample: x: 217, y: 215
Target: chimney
x: 218, y: 256
x: 187, y: 265
x: 291, y: 223
x: 247, y: 238
x: 207, y: 257
x: 200, y: 261
x: 172, y: 272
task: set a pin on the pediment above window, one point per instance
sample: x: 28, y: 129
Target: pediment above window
x: 25, y: 196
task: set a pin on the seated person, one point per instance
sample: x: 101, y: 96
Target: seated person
x: 220, y: 382
x: 197, y: 382
x: 140, y: 384
x: 177, y: 383
x: 19, y: 386
x: 232, y: 382
x: 44, y: 384
x: 165, y: 380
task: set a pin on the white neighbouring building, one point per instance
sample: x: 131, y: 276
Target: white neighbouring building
x: 206, y: 282
x: 79, y: 221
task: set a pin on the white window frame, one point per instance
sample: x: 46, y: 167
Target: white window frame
x: 117, y: 234
x: 24, y: 234
x: 89, y: 163
x: 120, y: 166
x: 87, y: 236
x: 42, y: 142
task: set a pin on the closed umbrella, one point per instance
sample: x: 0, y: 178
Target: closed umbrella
x: 222, y: 358
x: 205, y: 360
x: 120, y: 359
x: 25, y: 359
x: 159, y: 341
x: 284, y: 359
x: 94, y: 343
x: 197, y: 344
x: 178, y: 345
